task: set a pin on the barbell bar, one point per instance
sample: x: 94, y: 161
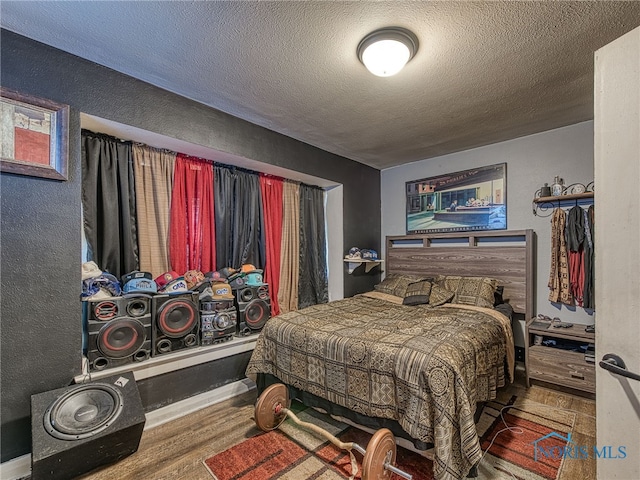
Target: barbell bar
x: 272, y: 408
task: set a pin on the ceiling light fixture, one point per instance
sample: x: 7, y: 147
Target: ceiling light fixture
x: 386, y: 51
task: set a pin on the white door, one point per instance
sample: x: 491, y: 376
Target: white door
x: 617, y: 247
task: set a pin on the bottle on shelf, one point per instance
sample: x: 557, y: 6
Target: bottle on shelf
x: 558, y: 186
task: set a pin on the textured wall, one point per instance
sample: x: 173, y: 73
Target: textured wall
x: 41, y: 223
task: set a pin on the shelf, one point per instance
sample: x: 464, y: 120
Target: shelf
x: 175, y: 361
x: 560, y: 198
x: 368, y: 264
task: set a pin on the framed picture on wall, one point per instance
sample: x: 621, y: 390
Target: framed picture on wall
x: 474, y: 199
x: 34, y: 136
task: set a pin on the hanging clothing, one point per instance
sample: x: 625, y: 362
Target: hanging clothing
x: 290, y: 247
x: 192, y: 244
x: 109, y: 203
x: 153, y: 172
x: 271, y: 192
x: 575, y: 237
x: 589, y: 259
x: 559, y: 276
x: 312, y: 277
x: 239, y: 218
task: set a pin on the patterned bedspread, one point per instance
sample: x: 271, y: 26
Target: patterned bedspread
x: 422, y: 366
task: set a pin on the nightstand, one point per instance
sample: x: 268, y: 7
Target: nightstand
x: 556, y: 365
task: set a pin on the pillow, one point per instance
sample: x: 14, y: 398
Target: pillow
x: 478, y: 291
x: 417, y: 293
x: 440, y: 295
x: 396, y: 284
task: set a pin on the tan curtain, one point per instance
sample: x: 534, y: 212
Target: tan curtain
x: 290, y: 251
x: 153, y: 173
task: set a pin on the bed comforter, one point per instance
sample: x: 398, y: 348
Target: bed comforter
x: 424, y: 367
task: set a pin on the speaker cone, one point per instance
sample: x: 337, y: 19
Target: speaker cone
x: 246, y: 295
x: 256, y: 314
x: 121, y: 337
x: 137, y: 307
x: 83, y: 411
x: 176, y: 318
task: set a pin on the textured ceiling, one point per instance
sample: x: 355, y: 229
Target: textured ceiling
x: 484, y: 72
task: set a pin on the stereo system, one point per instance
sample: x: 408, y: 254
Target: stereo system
x: 218, y: 321
x: 78, y: 428
x: 123, y: 330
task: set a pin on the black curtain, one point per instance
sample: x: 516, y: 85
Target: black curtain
x: 239, y: 218
x: 313, y: 284
x: 109, y: 203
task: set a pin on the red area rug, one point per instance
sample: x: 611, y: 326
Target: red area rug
x: 289, y: 455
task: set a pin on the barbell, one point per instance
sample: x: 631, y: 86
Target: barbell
x: 272, y: 408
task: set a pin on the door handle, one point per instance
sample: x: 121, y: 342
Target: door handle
x: 615, y: 364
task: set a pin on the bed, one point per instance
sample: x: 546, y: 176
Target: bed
x: 420, y: 370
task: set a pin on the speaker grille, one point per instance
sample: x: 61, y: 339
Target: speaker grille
x: 83, y: 411
x: 121, y: 337
x: 256, y: 314
x: 176, y: 318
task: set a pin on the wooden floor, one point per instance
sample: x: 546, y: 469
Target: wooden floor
x: 177, y: 449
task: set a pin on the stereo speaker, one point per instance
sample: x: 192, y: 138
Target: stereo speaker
x: 79, y: 428
x: 254, y: 308
x: 117, y: 331
x: 176, y: 322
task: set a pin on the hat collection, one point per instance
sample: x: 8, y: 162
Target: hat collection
x: 138, y: 316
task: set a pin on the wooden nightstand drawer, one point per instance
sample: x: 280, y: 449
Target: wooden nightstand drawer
x: 561, y: 367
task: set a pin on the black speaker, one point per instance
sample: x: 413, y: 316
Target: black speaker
x: 117, y: 331
x: 78, y: 428
x: 176, y: 322
x: 254, y: 308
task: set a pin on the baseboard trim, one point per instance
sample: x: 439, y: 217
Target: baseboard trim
x: 20, y: 467
x: 16, y: 468
x: 189, y: 405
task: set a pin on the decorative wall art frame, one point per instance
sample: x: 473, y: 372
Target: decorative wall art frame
x: 34, y: 136
x: 474, y: 199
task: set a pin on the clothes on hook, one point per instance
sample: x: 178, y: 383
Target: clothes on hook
x: 571, y: 280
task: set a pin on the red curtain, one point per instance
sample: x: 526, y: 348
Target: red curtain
x: 192, y: 224
x: 271, y: 190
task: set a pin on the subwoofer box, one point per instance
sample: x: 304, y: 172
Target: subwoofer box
x: 78, y: 428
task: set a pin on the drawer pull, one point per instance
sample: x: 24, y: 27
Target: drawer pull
x: 577, y: 375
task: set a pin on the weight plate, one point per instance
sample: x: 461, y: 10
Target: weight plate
x: 381, y: 450
x: 265, y: 411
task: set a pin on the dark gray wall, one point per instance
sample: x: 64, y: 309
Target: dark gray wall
x: 41, y: 224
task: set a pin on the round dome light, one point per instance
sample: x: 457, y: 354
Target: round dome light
x: 386, y: 51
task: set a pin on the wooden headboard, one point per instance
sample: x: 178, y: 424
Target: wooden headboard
x: 506, y: 255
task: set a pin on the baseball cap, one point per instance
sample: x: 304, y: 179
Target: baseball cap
x: 140, y: 285
x: 221, y: 291
x: 135, y: 274
x: 369, y: 255
x: 193, y: 278
x: 90, y: 270
x: 164, y: 279
x: 354, y: 253
x: 254, y: 278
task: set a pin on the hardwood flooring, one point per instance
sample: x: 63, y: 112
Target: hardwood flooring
x: 177, y: 449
